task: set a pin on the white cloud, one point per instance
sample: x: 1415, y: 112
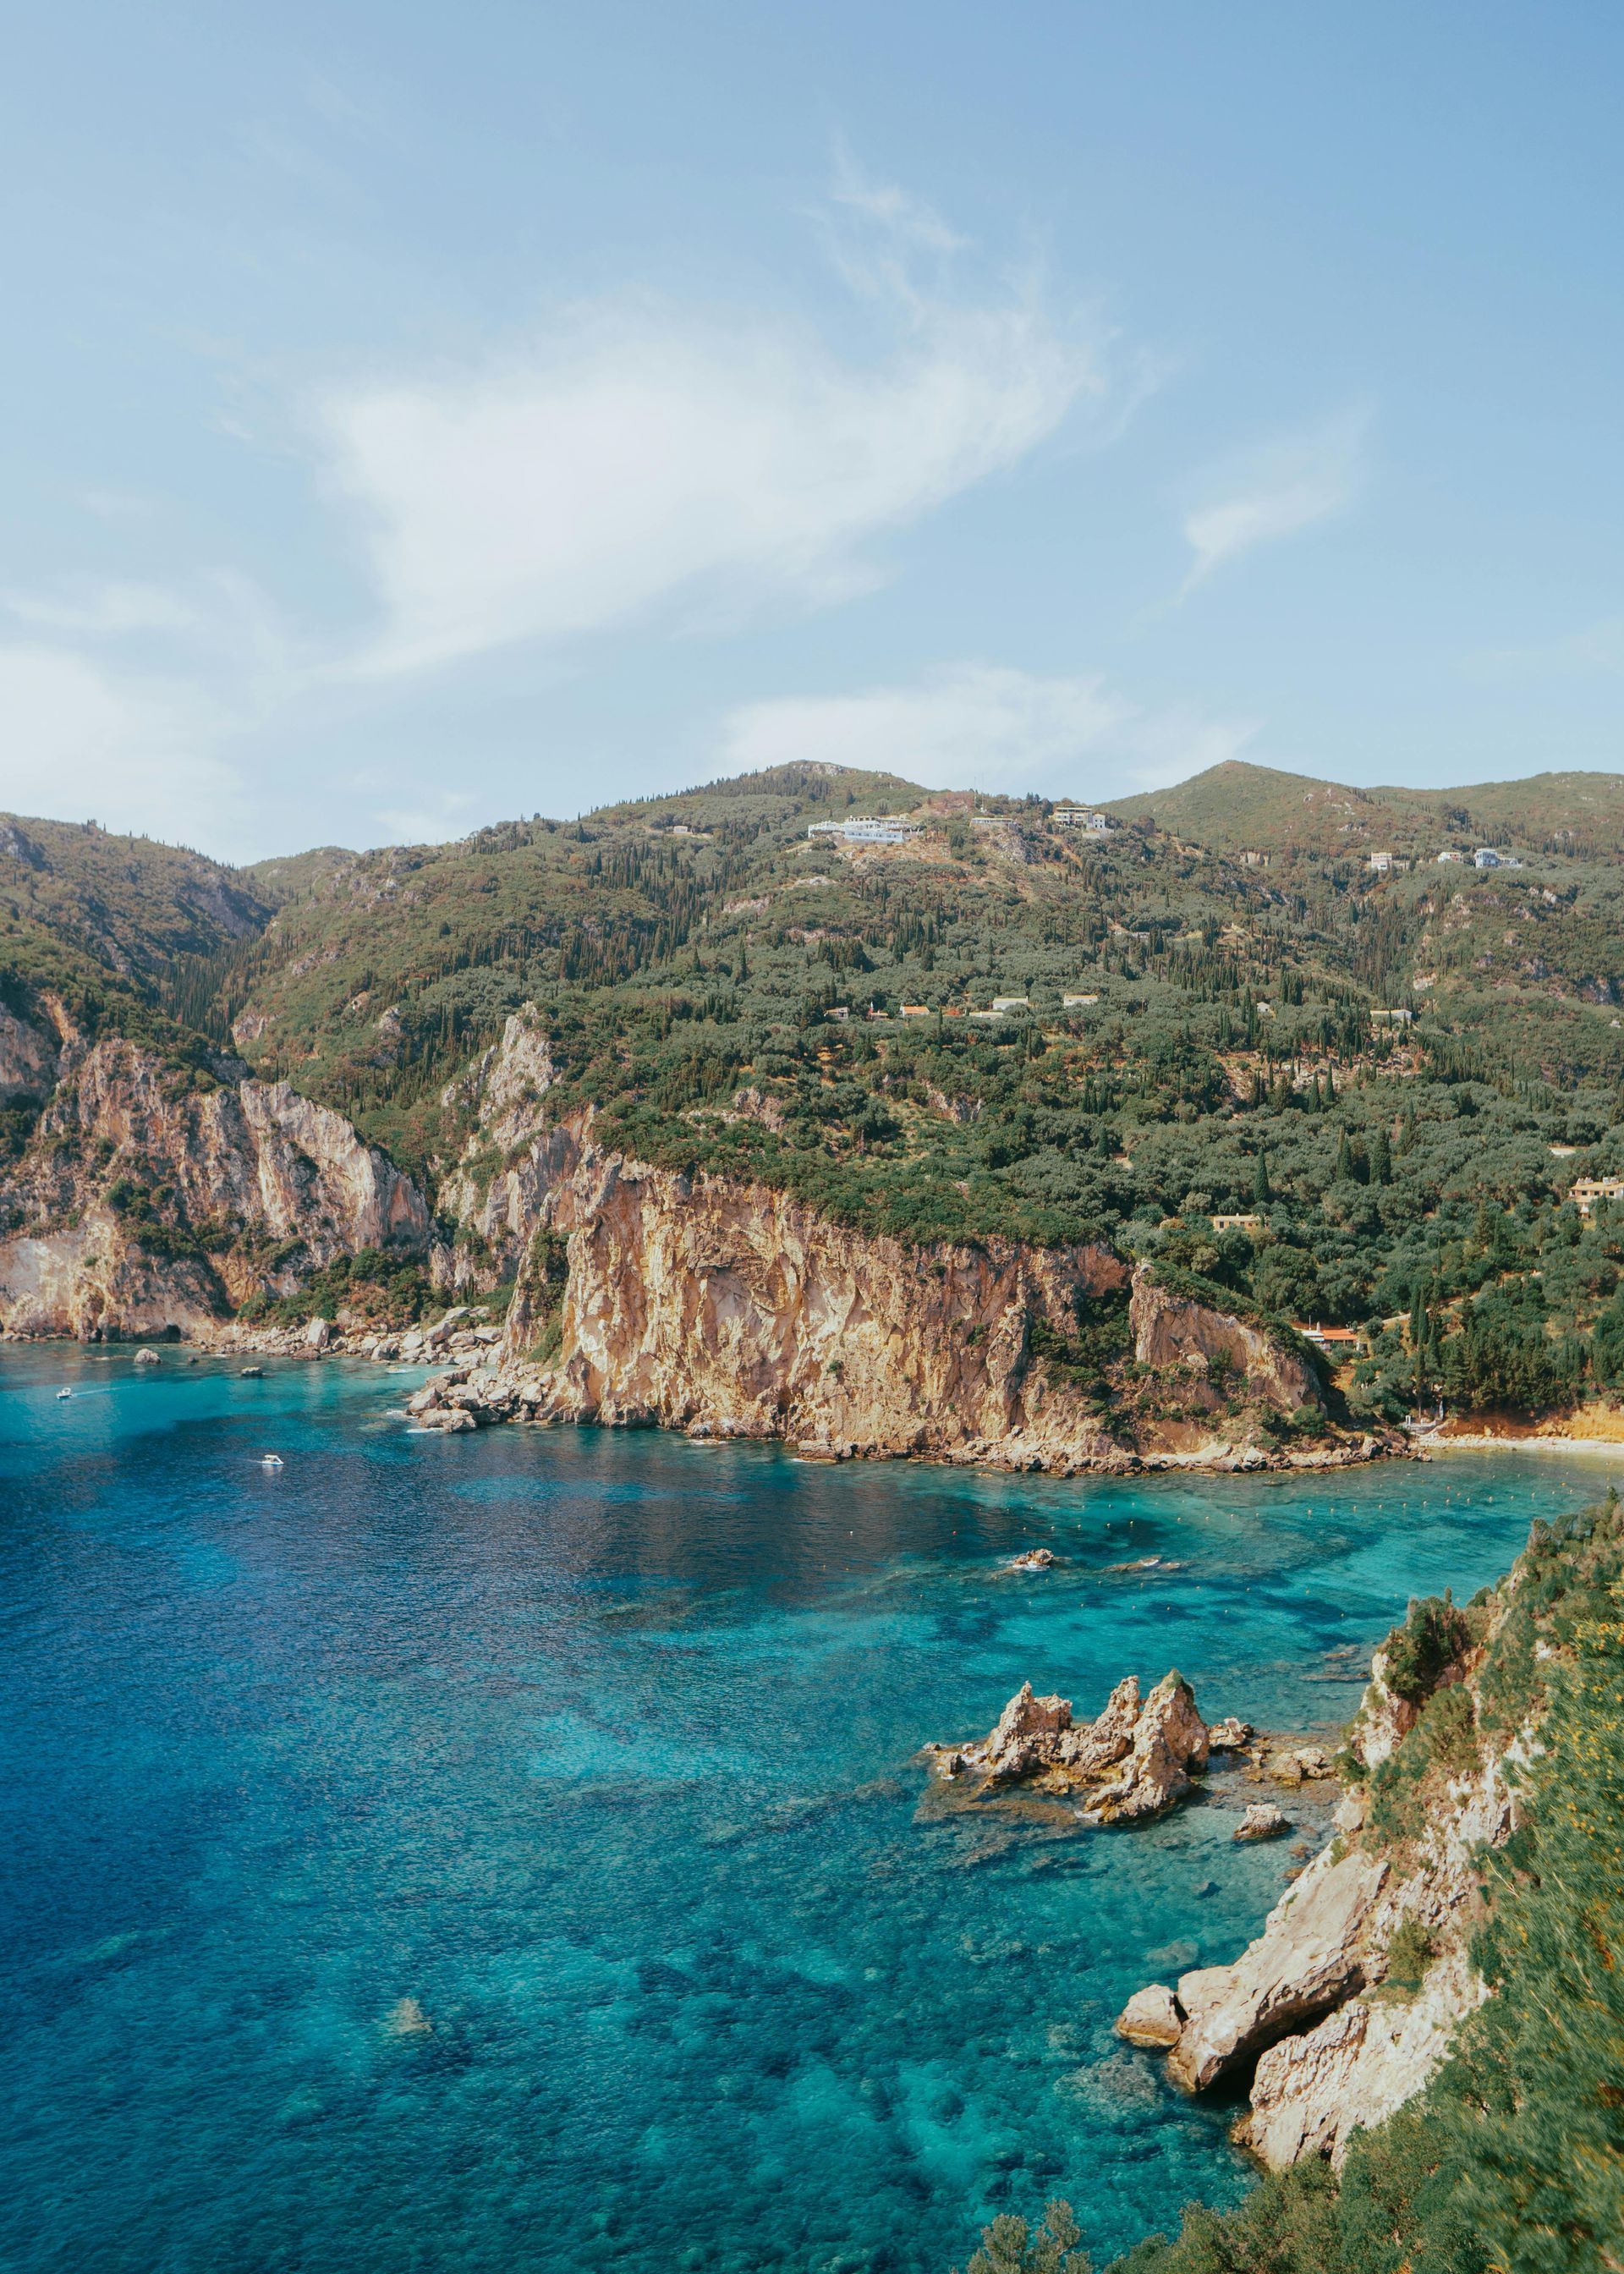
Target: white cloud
x: 982, y: 727
x: 630, y: 457
x: 1276, y: 492
x: 84, y: 743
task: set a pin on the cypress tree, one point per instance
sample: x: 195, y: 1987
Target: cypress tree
x: 1262, y: 1191
x: 1343, y: 1170
x: 1380, y: 1159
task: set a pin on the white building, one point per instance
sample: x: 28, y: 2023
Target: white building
x: 1011, y: 1002
x: 1081, y: 817
x: 869, y: 828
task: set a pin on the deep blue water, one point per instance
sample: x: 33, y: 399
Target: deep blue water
x: 597, y: 1747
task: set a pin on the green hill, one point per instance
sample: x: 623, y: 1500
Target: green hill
x: 1221, y: 1055
x: 1236, y: 806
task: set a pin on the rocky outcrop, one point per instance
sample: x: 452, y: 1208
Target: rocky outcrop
x: 1217, y: 1348
x: 151, y: 1199
x: 1309, y: 1958
x: 1134, y: 1760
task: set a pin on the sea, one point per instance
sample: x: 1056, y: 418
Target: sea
x: 447, y: 1854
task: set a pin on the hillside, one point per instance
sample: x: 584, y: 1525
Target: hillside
x: 1235, y: 808
x: 1395, y: 1078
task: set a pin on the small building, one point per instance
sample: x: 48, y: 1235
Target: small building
x: 1011, y: 1003
x: 1399, y: 1018
x: 1336, y: 1338
x: 1584, y: 1191
x: 1380, y: 862
x: 1562, y: 1152
x: 1077, y: 1001
x: 1081, y: 817
x: 839, y: 1010
x: 1450, y: 852
x: 1486, y: 857
x: 1251, y: 1225
x: 1255, y: 860
x: 868, y: 829
x: 916, y: 1010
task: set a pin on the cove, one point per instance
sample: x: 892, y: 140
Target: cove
x: 505, y: 1852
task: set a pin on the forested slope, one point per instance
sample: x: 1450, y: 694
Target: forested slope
x: 726, y: 993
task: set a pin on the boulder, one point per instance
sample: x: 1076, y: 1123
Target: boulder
x: 148, y: 1358
x: 1306, y: 1961
x: 1230, y: 1734
x: 1151, y: 2016
x: 1035, y: 1559
x: 1262, y: 1821
x: 318, y: 1334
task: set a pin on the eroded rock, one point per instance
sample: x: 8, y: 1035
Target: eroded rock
x: 1133, y: 1761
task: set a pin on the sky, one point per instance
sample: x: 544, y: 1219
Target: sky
x: 415, y: 416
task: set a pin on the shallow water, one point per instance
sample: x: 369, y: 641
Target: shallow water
x: 506, y: 1853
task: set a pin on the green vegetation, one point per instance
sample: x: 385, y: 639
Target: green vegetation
x: 1512, y: 2161
x: 688, y: 956
x: 1009, y: 2247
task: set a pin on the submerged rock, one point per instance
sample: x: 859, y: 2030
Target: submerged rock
x: 1034, y: 1559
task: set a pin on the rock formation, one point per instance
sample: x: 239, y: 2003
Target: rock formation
x: 152, y: 1200
x: 1134, y: 1760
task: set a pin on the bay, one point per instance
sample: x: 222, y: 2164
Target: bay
x: 509, y: 1851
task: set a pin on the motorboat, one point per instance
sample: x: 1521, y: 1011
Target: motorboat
x: 61, y: 1393
x: 271, y: 1461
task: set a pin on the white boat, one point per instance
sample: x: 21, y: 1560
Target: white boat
x: 63, y: 1393
x: 271, y: 1461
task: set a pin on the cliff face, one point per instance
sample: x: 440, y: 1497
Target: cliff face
x: 727, y: 1308
x: 730, y: 1309
x: 144, y: 1202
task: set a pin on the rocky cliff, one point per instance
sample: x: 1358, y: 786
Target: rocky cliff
x: 727, y: 1308
x: 151, y: 1197
x: 1346, y: 2004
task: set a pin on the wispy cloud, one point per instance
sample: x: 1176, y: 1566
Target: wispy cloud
x: 1275, y: 492
x: 985, y: 726
x: 630, y: 457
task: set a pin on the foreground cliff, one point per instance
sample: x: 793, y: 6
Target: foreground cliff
x: 1435, y: 2010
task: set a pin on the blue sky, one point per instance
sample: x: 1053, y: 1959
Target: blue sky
x: 413, y: 415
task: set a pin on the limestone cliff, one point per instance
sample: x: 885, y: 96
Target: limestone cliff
x: 728, y: 1308
x: 150, y: 1199
x: 1345, y: 2005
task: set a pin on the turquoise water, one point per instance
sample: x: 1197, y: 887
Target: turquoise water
x: 597, y: 1747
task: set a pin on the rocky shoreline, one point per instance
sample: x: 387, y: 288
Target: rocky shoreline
x: 1344, y: 2005
x: 477, y: 1387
